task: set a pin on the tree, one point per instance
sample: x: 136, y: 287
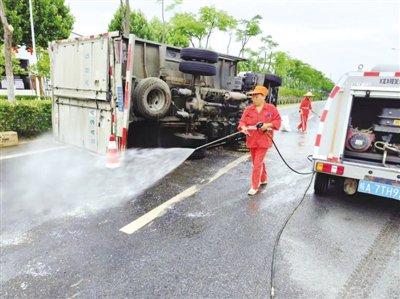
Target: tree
x: 231, y: 31
x: 247, y: 30
x: 252, y: 63
x: 186, y: 26
x: 138, y: 23
x: 42, y: 67
x: 16, y: 68
x: 215, y: 19
x: 183, y: 29
x: 281, y: 63
x: 178, y: 32
x: 126, y: 19
x: 163, y: 10
x: 268, y: 45
x: 299, y: 75
x: 52, y: 20
x: 8, y: 32
x: 159, y: 30
x: 257, y: 60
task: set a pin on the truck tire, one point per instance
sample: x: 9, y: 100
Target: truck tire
x: 152, y: 98
x: 199, y: 55
x: 192, y: 141
x: 197, y: 68
x: 272, y: 80
x: 321, y: 184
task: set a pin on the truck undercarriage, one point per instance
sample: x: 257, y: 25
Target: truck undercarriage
x: 147, y: 94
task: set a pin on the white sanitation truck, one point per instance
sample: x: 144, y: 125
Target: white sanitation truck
x: 358, y: 139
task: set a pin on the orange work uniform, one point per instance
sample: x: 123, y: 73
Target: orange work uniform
x: 257, y: 141
x: 305, y: 108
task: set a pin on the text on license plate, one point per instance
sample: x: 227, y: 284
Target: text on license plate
x: 379, y: 189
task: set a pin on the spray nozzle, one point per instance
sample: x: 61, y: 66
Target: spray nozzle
x: 259, y: 125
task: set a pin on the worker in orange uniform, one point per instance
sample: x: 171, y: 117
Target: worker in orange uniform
x: 304, y: 110
x: 258, y: 120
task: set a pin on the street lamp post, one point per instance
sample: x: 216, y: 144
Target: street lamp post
x: 34, y: 46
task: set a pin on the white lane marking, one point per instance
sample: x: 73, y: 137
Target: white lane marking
x: 160, y: 210
x: 32, y: 152
x: 34, y: 141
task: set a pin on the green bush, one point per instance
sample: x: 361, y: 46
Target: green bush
x: 23, y: 98
x: 27, y: 117
x: 291, y: 96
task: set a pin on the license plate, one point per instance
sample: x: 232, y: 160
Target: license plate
x: 396, y: 122
x: 379, y: 189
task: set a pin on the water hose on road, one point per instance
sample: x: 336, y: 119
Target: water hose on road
x: 284, y: 161
x: 278, y: 238
x: 269, y: 136
x: 319, y: 116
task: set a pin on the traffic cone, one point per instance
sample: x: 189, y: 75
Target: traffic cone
x: 112, y: 155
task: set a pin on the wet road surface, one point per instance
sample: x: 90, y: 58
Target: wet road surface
x: 215, y: 243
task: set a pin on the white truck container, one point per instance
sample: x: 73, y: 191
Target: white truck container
x: 358, y: 139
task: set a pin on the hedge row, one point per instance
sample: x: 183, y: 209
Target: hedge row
x: 27, y: 117
x: 288, y: 92
x: 23, y: 98
x: 284, y: 100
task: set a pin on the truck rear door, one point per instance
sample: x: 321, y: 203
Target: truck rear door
x: 82, y: 111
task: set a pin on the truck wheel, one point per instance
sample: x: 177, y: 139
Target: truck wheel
x: 321, y: 184
x: 272, y: 80
x: 152, y: 98
x: 199, y: 55
x: 192, y: 141
x: 197, y: 68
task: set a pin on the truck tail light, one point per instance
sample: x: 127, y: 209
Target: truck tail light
x: 329, y: 168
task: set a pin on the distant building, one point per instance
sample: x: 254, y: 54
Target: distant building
x: 23, y: 83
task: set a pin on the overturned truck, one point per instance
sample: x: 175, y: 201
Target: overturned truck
x: 145, y: 93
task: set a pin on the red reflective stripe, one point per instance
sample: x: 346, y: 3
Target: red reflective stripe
x: 113, y: 118
x: 123, y: 139
x: 371, y: 74
x: 397, y: 74
x: 126, y: 97
x: 110, y: 71
x: 323, y: 116
x: 334, y: 91
x: 318, y: 140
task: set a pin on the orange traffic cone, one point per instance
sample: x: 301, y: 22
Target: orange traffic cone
x: 112, y: 156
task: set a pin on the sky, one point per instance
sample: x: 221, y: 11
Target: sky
x: 333, y: 36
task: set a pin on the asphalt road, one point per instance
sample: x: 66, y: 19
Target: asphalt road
x: 214, y: 241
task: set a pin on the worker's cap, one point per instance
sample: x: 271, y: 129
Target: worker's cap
x: 259, y: 89
x: 309, y: 94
